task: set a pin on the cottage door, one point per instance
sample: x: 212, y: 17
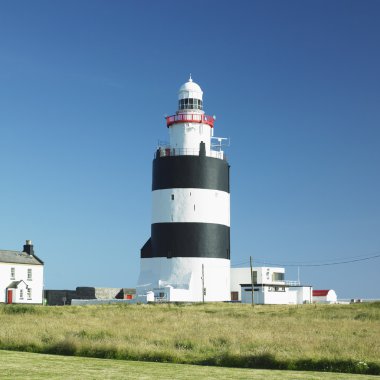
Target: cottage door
x: 9, y: 296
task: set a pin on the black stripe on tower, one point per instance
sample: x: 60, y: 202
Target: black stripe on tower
x: 188, y: 240
x: 197, y: 172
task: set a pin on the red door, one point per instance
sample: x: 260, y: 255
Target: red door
x: 9, y: 296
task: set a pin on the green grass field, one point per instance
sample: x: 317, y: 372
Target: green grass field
x: 21, y: 365
x: 339, y: 338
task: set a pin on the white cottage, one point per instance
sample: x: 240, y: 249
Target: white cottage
x: 21, y: 276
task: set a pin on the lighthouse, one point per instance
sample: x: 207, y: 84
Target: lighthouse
x: 187, y: 257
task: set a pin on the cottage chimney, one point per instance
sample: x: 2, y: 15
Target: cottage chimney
x: 28, y: 248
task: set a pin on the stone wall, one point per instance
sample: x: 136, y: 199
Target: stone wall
x: 64, y: 297
x: 59, y: 297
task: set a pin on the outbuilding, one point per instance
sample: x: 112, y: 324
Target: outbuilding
x: 270, y: 287
x: 324, y: 296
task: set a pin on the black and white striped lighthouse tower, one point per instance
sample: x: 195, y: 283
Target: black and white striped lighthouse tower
x: 187, y: 257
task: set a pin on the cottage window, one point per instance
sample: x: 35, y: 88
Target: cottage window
x: 29, y: 274
x: 21, y: 294
x: 13, y: 273
x: 29, y: 293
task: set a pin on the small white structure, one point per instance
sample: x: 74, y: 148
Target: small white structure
x: 21, y: 276
x: 270, y: 287
x: 324, y: 296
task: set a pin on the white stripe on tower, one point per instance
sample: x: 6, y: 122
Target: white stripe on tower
x: 191, y: 206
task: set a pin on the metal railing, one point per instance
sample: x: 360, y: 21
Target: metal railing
x: 168, y: 152
x: 190, y: 118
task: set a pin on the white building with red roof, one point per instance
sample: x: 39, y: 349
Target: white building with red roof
x: 324, y: 296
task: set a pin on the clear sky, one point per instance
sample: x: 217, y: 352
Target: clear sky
x: 295, y: 85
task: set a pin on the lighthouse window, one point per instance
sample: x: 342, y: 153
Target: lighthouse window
x: 190, y: 103
x: 172, y: 197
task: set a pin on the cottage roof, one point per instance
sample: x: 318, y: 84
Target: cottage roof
x: 15, y: 284
x: 18, y: 257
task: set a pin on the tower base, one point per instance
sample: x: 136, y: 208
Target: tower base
x: 179, y: 279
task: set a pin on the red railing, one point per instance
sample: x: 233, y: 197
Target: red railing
x: 190, y: 118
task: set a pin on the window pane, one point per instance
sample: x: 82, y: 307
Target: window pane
x: 278, y: 276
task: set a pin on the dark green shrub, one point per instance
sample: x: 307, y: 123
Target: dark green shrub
x: 18, y: 309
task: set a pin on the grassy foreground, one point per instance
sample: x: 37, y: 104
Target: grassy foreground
x: 21, y: 365
x: 340, y: 338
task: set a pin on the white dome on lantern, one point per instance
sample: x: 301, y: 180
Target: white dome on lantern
x: 189, y: 90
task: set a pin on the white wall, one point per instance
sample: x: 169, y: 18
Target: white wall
x: 21, y: 273
x: 188, y: 136
x: 264, y: 275
x: 267, y: 295
x: 184, y: 275
x: 272, y: 297
x: 303, y: 293
x: 239, y: 276
x: 331, y: 297
x: 243, y: 276
x: 191, y: 205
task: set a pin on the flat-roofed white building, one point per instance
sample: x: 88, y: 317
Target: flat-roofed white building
x: 270, y: 287
x: 261, y: 275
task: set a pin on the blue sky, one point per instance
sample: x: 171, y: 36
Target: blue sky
x: 295, y: 85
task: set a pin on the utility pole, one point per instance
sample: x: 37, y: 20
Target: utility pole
x: 203, y: 283
x: 250, y: 261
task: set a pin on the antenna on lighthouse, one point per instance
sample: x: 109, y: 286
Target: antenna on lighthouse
x: 190, y: 80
